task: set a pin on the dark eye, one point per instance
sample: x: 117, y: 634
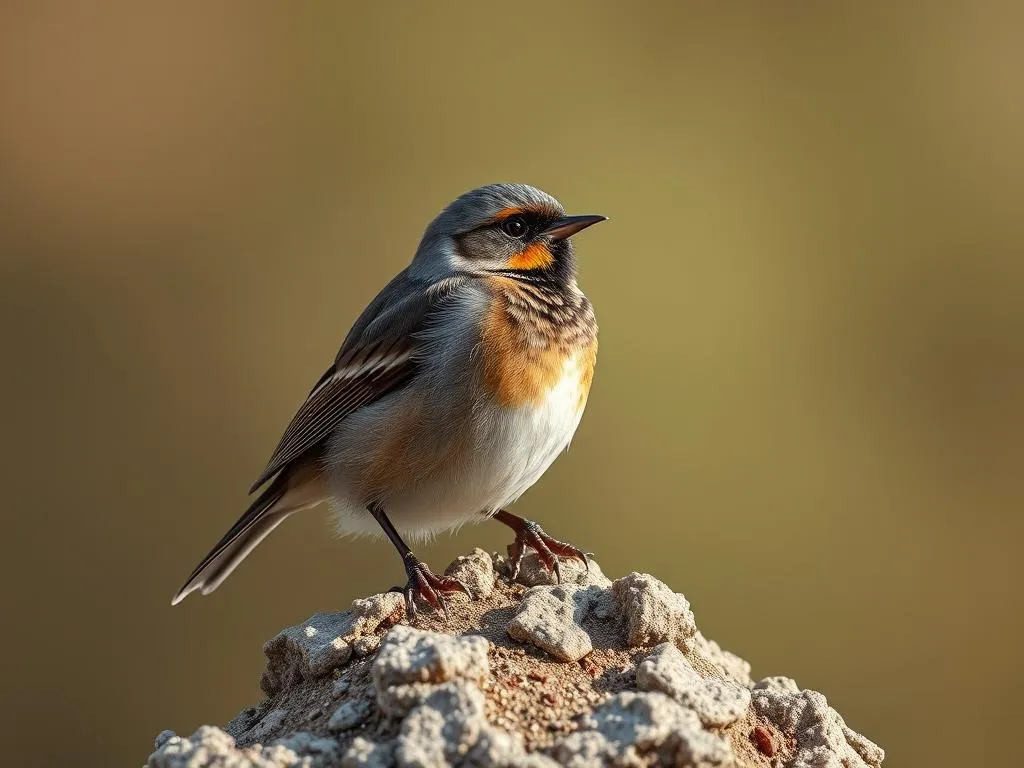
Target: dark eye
x: 514, y: 226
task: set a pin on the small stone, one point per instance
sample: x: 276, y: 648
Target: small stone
x: 732, y: 665
x: 778, y: 685
x: 653, y: 613
x: 549, y: 618
x: 822, y: 737
x: 348, y: 715
x: 306, y: 743
x: 323, y: 641
x: 410, y: 661
x: 163, y: 737
x: 340, y: 687
x: 717, y: 702
x: 476, y: 571
x: 364, y: 646
x: 212, y: 746
x: 631, y: 726
x: 363, y: 753
x: 532, y: 572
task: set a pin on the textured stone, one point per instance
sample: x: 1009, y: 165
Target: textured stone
x: 637, y: 728
x: 409, y: 658
x: 532, y: 573
x: 551, y: 617
x: 732, y: 665
x: 717, y: 702
x: 364, y: 753
x: 652, y: 612
x: 210, y: 746
x: 476, y: 571
x: 323, y: 641
x: 349, y: 714
x: 823, y: 740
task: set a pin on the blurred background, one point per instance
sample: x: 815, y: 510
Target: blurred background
x: 808, y: 414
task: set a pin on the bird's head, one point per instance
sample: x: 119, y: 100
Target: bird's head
x: 510, y: 229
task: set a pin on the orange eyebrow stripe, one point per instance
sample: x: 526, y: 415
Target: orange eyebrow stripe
x: 534, y: 256
x: 504, y: 213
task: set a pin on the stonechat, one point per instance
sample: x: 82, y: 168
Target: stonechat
x: 454, y: 391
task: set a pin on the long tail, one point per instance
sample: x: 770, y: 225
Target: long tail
x: 279, y: 500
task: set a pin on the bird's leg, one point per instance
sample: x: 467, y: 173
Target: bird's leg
x: 530, y: 534
x: 422, y: 582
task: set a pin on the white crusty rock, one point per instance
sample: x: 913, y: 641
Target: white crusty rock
x: 718, y: 702
x: 732, y: 665
x: 532, y: 572
x: 324, y: 641
x: 476, y: 571
x: 822, y: 738
x: 210, y: 746
x: 653, y: 613
x: 520, y: 677
x: 640, y: 728
x: 551, y: 618
x: 348, y: 715
x: 411, y: 662
x: 450, y: 728
x: 364, y: 753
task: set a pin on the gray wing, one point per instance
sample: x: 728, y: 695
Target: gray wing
x: 378, y: 356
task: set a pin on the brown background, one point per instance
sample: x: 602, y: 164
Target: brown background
x: 809, y: 406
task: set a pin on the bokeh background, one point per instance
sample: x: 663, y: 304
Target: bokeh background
x: 809, y: 407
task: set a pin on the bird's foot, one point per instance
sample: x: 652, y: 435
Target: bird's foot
x: 428, y: 587
x: 548, y: 549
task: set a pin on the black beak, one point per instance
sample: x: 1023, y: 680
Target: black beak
x: 567, y: 226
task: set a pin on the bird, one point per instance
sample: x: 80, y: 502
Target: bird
x: 453, y: 392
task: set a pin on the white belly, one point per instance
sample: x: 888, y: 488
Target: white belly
x: 510, y: 449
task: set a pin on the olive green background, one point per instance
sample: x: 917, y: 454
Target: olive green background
x: 808, y: 414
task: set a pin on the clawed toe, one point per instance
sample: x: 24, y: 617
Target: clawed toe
x: 548, y: 550
x: 428, y: 587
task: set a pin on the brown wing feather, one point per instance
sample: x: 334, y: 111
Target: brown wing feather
x: 378, y: 356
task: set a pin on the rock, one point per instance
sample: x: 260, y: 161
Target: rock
x: 653, y: 613
x: 532, y: 573
x: 348, y: 715
x: 368, y: 754
x: 356, y: 689
x: 550, y: 618
x: 364, y: 646
x: 732, y: 665
x: 822, y: 737
x: 210, y: 746
x: 476, y: 571
x: 717, y: 702
x: 778, y: 684
x: 450, y: 728
x: 409, y: 658
x: 636, y: 728
x: 323, y: 641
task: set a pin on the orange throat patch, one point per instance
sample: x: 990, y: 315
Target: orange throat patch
x: 534, y: 256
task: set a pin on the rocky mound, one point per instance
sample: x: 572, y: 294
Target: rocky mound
x: 587, y: 673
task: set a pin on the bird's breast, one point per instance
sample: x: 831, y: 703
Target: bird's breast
x: 535, y: 354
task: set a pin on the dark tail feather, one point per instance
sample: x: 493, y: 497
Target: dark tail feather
x: 258, y: 521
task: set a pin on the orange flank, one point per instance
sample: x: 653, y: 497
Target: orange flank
x: 534, y: 256
x: 588, y: 359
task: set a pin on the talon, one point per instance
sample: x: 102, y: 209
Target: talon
x: 429, y: 587
x: 549, y: 550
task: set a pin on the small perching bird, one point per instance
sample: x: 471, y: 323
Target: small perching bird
x: 451, y: 395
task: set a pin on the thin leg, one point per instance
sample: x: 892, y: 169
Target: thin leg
x: 422, y: 582
x: 530, y: 534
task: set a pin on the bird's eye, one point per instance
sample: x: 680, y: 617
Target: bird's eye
x: 514, y: 226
